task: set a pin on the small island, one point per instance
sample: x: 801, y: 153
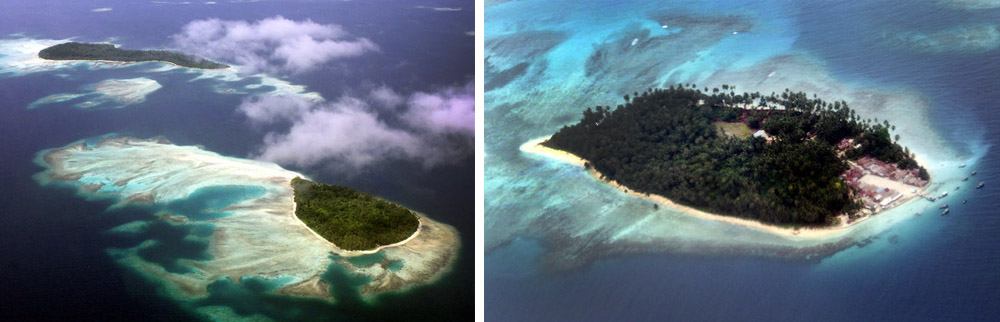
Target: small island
x: 251, y: 208
x: 777, y: 162
x: 88, y: 51
x: 351, y: 219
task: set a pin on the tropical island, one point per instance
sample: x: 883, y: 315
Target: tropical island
x: 248, y: 208
x: 772, y: 160
x: 89, y: 51
x: 351, y: 219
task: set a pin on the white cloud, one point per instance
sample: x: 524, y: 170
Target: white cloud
x: 273, y: 44
x: 385, y: 96
x: 269, y: 109
x: 449, y: 111
x: 101, y: 10
x: 431, y: 128
x: 343, y: 132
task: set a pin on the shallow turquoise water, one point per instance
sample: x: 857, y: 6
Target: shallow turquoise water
x: 366, y: 260
x: 207, y: 203
x: 926, y: 267
x: 60, y: 241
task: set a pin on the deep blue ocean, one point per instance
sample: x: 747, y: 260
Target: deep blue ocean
x: 53, y: 260
x: 930, y: 268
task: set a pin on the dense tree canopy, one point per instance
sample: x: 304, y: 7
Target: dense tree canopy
x: 663, y: 142
x: 351, y: 219
x: 84, y: 51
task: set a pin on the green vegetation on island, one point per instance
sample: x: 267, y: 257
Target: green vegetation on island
x: 351, y: 219
x: 85, y: 51
x: 669, y: 142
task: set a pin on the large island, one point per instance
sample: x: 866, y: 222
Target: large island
x: 777, y: 162
x: 108, y: 52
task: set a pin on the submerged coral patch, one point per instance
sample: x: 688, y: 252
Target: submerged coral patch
x: 971, y: 39
x: 112, y: 93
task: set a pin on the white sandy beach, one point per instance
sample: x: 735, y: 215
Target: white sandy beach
x: 346, y: 252
x: 534, y: 146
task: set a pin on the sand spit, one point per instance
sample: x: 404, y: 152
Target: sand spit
x: 260, y: 237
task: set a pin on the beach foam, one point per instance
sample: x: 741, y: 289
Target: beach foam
x: 19, y: 56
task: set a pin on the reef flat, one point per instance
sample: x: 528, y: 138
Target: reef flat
x: 118, y: 92
x: 975, y: 38
x: 19, y: 56
x: 253, y: 235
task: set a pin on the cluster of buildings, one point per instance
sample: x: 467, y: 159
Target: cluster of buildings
x: 891, y: 171
x: 875, y: 197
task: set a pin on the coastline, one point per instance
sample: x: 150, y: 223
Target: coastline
x: 19, y: 56
x: 129, y: 62
x: 345, y: 252
x: 534, y: 146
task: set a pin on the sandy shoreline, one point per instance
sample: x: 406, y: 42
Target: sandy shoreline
x: 534, y: 146
x: 118, y: 62
x: 345, y: 252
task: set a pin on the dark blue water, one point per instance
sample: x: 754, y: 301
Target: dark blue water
x: 54, y: 262
x: 949, y: 271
